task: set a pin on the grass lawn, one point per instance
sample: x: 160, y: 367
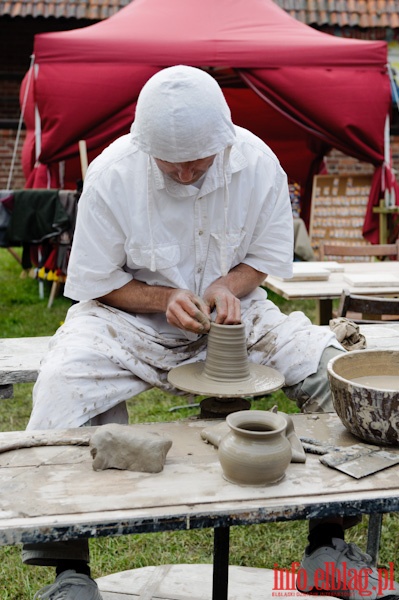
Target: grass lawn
x: 22, y: 314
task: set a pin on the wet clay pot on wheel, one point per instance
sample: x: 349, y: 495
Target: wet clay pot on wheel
x: 256, y: 450
x: 227, y: 371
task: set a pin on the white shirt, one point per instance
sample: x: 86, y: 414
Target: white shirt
x: 132, y: 218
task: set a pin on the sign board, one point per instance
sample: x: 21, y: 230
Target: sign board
x: 338, y: 209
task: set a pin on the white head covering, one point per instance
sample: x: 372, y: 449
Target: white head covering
x: 182, y: 115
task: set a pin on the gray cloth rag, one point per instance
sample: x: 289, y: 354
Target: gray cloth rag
x: 348, y: 334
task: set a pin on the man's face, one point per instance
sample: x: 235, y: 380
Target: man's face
x: 185, y: 173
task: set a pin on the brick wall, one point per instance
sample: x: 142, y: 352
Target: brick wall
x: 340, y: 164
x: 7, y: 142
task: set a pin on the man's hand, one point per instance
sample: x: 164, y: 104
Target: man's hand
x: 224, y: 294
x: 187, y: 311
x: 183, y: 308
x: 228, y: 306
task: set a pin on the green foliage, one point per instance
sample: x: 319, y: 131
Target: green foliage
x: 23, y: 314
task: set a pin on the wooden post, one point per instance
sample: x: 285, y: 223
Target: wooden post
x: 83, y: 157
x: 15, y: 255
x: 383, y: 224
x: 384, y: 213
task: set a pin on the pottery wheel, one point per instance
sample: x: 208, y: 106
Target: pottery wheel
x: 219, y: 408
x: 192, y: 378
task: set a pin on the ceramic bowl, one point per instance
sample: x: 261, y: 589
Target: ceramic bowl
x: 365, y: 394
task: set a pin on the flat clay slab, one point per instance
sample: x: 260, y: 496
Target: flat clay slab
x: 304, y: 271
x: 331, y: 265
x: 374, y: 280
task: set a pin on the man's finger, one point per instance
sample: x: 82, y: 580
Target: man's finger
x: 228, y: 311
x: 192, y: 320
x: 202, y: 319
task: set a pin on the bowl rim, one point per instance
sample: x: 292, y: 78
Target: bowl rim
x: 339, y: 357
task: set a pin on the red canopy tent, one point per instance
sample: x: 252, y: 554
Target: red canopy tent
x: 300, y: 90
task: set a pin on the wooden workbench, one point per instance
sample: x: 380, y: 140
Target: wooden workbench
x: 323, y: 292
x: 38, y: 503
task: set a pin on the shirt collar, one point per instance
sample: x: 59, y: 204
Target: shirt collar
x: 214, y: 178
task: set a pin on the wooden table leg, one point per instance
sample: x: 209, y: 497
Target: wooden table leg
x: 324, y: 311
x: 374, y: 536
x: 221, y: 550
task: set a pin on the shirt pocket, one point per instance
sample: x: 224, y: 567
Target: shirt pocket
x: 233, y: 241
x: 163, y: 256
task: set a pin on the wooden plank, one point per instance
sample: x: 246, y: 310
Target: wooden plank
x: 194, y: 582
x: 20, y: 358
x: 332, y: 288
x: 381, y: 337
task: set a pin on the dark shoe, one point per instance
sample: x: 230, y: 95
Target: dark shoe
x: 343, y: 571
x: 70, y: 585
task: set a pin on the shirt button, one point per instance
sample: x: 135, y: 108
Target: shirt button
x: 200, y: 232
x: 199, y: 270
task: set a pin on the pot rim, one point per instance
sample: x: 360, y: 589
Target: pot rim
x: 278, y: 422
